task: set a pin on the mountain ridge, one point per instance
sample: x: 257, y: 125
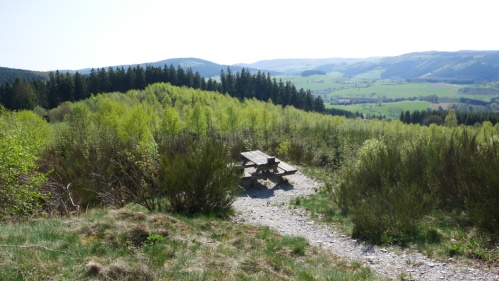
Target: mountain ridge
x: 467, y: 66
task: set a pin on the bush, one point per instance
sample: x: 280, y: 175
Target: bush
x: 391, y: 187
x: 469, y: 180
x: 23, y: 135
x: 386, y: 191
x: 197, y: 179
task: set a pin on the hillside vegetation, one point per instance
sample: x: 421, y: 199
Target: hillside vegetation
x: 133, y: 244
x: 23, y: 94
x: 166, y: 148
x: 10, y: 74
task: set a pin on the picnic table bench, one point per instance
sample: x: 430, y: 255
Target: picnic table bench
x: 265, y: 166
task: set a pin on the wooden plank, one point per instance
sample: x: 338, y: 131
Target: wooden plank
x: 286, y: 167
x: 257, y: 157
x: 282, y: 172
x: 265, y: 166
x: 254, y: 157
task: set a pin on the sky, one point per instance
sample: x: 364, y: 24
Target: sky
x: 46, y: 35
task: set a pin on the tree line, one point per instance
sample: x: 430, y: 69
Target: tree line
x: 427, y: 117
x: 63, y: 87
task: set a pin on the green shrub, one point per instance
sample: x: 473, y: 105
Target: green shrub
x: 391, y: 186
x: 57, y: 114
x: 468, y: 177
x: 385, y: 192
x: 23, y: 135
x: 197, y: 179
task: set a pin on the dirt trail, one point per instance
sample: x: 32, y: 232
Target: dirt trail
x: 268, y: 203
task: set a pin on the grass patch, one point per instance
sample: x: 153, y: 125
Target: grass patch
x: 319, y: 205
x: 134, y: 244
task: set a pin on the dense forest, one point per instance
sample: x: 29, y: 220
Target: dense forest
x: 60, y: 87
x: 10, y: 74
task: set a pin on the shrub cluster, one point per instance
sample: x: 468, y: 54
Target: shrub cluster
x: 198, y: 178
x: 21, y: 142
x: 390, y: 187
x: 110, y: 151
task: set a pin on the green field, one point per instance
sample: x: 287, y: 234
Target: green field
x: 383, y: 89
x: 368, y: 85
x: 313, y: 82
x: 390, y: 110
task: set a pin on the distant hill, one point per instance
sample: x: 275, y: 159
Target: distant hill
x: 297, y: 66
x: 10, y: 74
x: 456, y: 67
x: 462, y: 66
x: 204, y: 67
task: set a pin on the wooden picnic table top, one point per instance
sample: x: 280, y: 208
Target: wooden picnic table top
x: 258, y: 157
x: 265, y: 166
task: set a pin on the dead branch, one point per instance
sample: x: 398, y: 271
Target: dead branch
x: 72, y: 202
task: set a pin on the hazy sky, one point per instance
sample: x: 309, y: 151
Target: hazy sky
x: 74, y: 34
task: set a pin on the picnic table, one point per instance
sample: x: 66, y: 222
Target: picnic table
x: 259, y: 165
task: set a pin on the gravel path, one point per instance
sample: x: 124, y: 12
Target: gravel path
x: 267, y: 203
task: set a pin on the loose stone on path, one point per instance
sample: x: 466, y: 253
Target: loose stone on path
x: 269, y: 204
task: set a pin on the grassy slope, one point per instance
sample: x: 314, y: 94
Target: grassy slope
x: 135, y: 245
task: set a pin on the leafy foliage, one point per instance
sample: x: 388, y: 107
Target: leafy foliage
x: 392, y: 185
x: 198, y: 179
x: 23, y: 135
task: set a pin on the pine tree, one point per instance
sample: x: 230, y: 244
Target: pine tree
x: 23, y: 95
x: 68, y: 88
x: 140, y: 75
x: 81, y: 90
x: 130, y: 79
x: 93, y: 82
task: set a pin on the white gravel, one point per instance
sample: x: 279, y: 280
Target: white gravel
x: 268, y: 203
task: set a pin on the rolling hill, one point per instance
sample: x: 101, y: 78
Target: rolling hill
x: 10, y: 74
x: 296, y: 66
x: 456, y: 67
x: 204, y: 67
x: 433, y: 66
